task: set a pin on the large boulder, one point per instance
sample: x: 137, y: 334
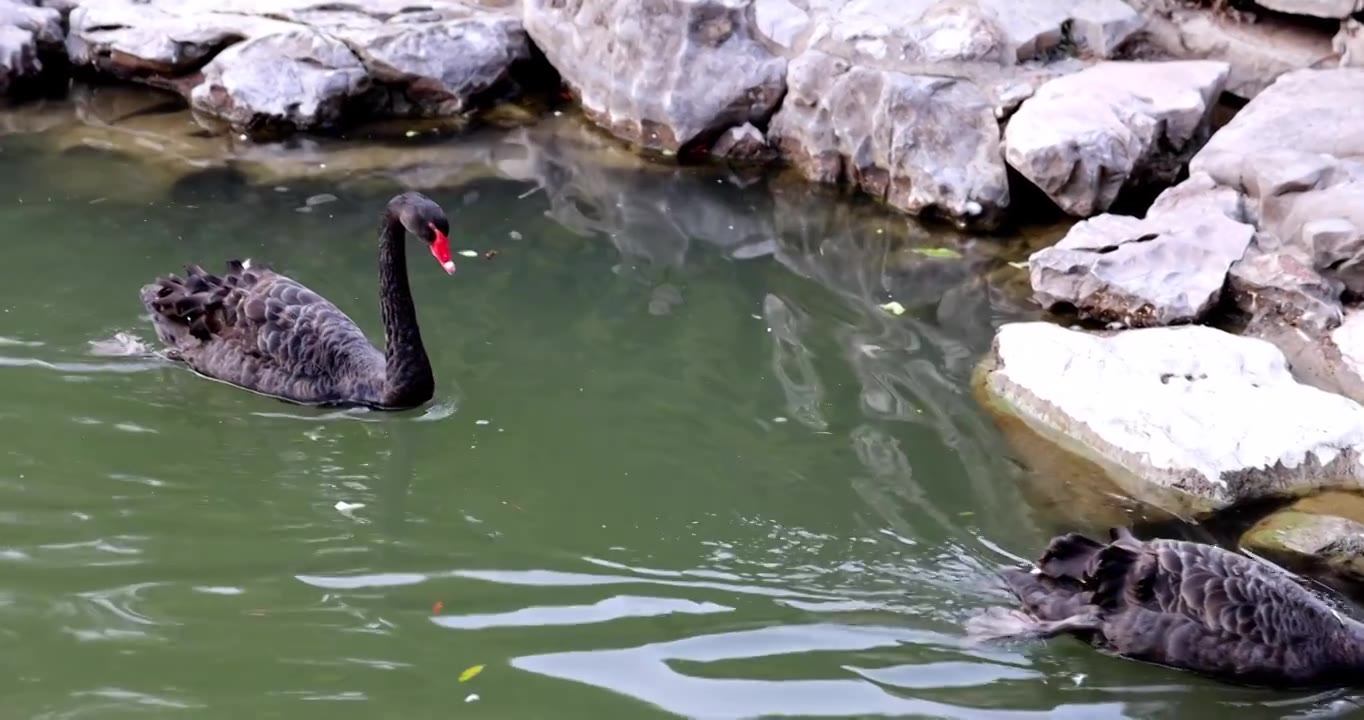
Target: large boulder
x: 1084, y: 138
x: 298, y: 79
x: 301, y: 64
x: 921, y: 143
x: 660, y: 73
x: 1189, y: 419
x: 1294, y: 156
x: 1169, y: 267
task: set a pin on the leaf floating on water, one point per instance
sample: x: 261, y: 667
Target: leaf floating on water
x: 469, y: 673
x: 938, y: 252
x: 469, y: 253
x: 1021, y: 264
x: 894, y: 308
x: 440, y: 605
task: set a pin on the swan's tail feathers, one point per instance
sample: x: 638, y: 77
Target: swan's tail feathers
x: 190, y: 308
x: 1070, y: 556
x: 999, y: 623
x: 1046, y: 597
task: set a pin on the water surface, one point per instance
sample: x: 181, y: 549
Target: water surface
x: 680, y: 463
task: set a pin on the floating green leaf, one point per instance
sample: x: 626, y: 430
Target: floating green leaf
x: 469, y: 674
x: 938, y: 252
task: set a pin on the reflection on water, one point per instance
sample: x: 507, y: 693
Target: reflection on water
x: 681, y: 461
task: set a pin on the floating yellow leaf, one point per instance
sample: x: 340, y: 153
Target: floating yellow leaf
x: 894, y: 308
x: 469, y: 674
x: 938, y: 252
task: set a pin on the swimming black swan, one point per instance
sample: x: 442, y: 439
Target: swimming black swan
x: 1185, y: 605
x: 265, y: 332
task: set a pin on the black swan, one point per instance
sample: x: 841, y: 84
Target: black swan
x: 266, y: 332
x: 1184, y: 605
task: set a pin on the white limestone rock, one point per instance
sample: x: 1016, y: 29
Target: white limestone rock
x: 1189, y: 419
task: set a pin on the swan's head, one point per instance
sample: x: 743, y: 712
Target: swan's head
x: 422, y: 217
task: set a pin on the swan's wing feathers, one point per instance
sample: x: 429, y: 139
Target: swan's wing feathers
x: 293, y: 327
x: 1220, y: 591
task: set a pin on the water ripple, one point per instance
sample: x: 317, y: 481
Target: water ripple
x: 612, y: 608
x: 647, y: 673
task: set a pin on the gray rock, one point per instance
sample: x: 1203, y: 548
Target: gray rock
x: 1334, y: 9
x: 441, y: 67
x: 299, y: 64
x: 1257, y: 52
x: 1084, y: 138
x: 998, y: 31
x: 1321, y: 533
x: 1280, y: 288
x: 744, y: 144
x: 921, y: 143
x: 1169, y: 267
x: 300, y: 80
x: 1188, y: 419
x: 1303, y: 181
x: 661, y: 73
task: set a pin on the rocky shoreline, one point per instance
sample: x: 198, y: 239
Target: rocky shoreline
x: 1217, y: 349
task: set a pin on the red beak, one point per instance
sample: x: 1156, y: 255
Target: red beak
x: 440, y: 248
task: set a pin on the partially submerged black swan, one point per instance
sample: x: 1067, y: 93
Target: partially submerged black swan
x: 1184, y: 605
x: 265, y: 332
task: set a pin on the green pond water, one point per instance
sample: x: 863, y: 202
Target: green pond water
x: 680, y: 464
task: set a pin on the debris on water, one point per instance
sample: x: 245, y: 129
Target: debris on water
x: 303, y: 209
x: 440, y: 605
x: 1021, y: 264
x: 514, y: 235
x: 938, y: 252
x: 894, y: 308
x: 411, y: 133
x: 348, y: 509
x: 481, y: 422
x: 469, y: 253
x: 469, y: 673
x: 490, y: 255
x: 320, y: 199
x: 473, y: 697
x: 281, y: 188
x: 778, y: 419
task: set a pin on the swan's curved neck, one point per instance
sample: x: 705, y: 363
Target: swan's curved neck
x: 407, y: 371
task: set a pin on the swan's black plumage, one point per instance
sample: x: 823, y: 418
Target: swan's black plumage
x: 1185, y: 605
x: 263, y: 331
